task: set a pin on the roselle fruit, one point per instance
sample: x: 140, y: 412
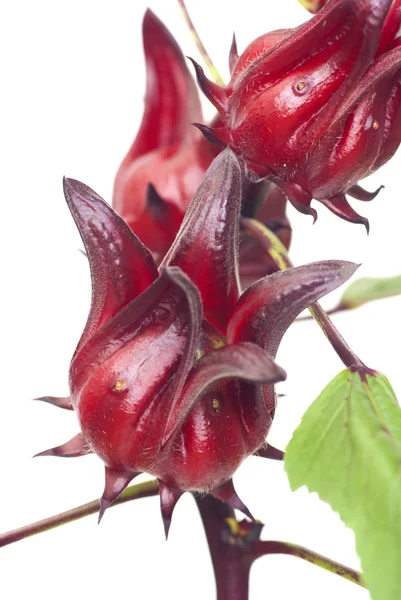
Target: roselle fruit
x: 174, y: 372
x: 317, y: 108
x: 159, y: 176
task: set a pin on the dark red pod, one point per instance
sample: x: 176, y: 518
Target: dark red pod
x: 174, y: 373
x: 159, y: 176
x: 317, y: 108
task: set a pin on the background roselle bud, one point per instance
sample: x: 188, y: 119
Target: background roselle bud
x: 159, y: 176
x: 317, y: 108
x: 174, y: 372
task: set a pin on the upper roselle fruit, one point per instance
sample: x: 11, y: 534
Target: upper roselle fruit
x: 174, y: 372
x: 317, y: 108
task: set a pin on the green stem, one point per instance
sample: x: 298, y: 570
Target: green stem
x: 235, y: 545
x: 273, y: 547
x: 204, y: 53
x: 278, y: 253
x: 134, y: 492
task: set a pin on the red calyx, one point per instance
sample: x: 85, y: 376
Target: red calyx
x: 174, y: 373
x: 159, y: 175
x: 318, y: 108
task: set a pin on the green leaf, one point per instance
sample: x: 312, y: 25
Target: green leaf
x: 368, y: 289
x: 348, y: 450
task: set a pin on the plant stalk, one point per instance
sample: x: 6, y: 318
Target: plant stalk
x: 275, y: 547
x: 202, y: 50
x: 234, y: 546
x: 140, y: 490
x: 231, y: 563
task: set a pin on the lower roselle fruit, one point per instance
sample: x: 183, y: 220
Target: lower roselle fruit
x: 174, y: 372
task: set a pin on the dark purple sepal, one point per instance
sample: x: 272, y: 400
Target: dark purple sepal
x: 213, y: 92
x: 299, y: 198
x: 359, y: 193
x: 77, y: 446
x: 169, y: 497
x: 64, y: 402
x: 194, y: 304
x: 218, y: 136
x: 226, y: 493
x: 269, y: 451
x: 121, y: 266
x: 268, y: 307
x: 245, y: 361
x: 116, y: 482
x: 233, y: 56
x: 340, y: 207
x: 206, y: 247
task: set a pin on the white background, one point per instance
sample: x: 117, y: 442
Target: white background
x: 73, y: 83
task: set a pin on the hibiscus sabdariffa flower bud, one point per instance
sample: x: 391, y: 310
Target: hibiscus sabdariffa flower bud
x: 160, y: 173
x: 174, y: 372
x: 317, y: 108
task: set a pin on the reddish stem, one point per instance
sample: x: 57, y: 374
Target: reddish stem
x: 141, y: 490
x: 234, y: 546
x: 231, y: 562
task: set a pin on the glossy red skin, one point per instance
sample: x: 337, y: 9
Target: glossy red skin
x: 301, y: 109
x: 125, y: 430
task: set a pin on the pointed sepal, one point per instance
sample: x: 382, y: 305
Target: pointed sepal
x: 64, y: 402
x: 116, y: 482
x: 358, y: 192
x: 171, y: 97
x: 77, y: 446
x: 194, y: 308
x: 226, y: 493
x: 268, y: 307
x: 121, y: 266
x: 269, y: 451
x: 206, y: 247
x: 246, y: 361
x: 340, y: 207
x: 218, y: 136
x: 299, y: 198
x: 169, y: 497
x: 233, y: 56
x: 213, y: 92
